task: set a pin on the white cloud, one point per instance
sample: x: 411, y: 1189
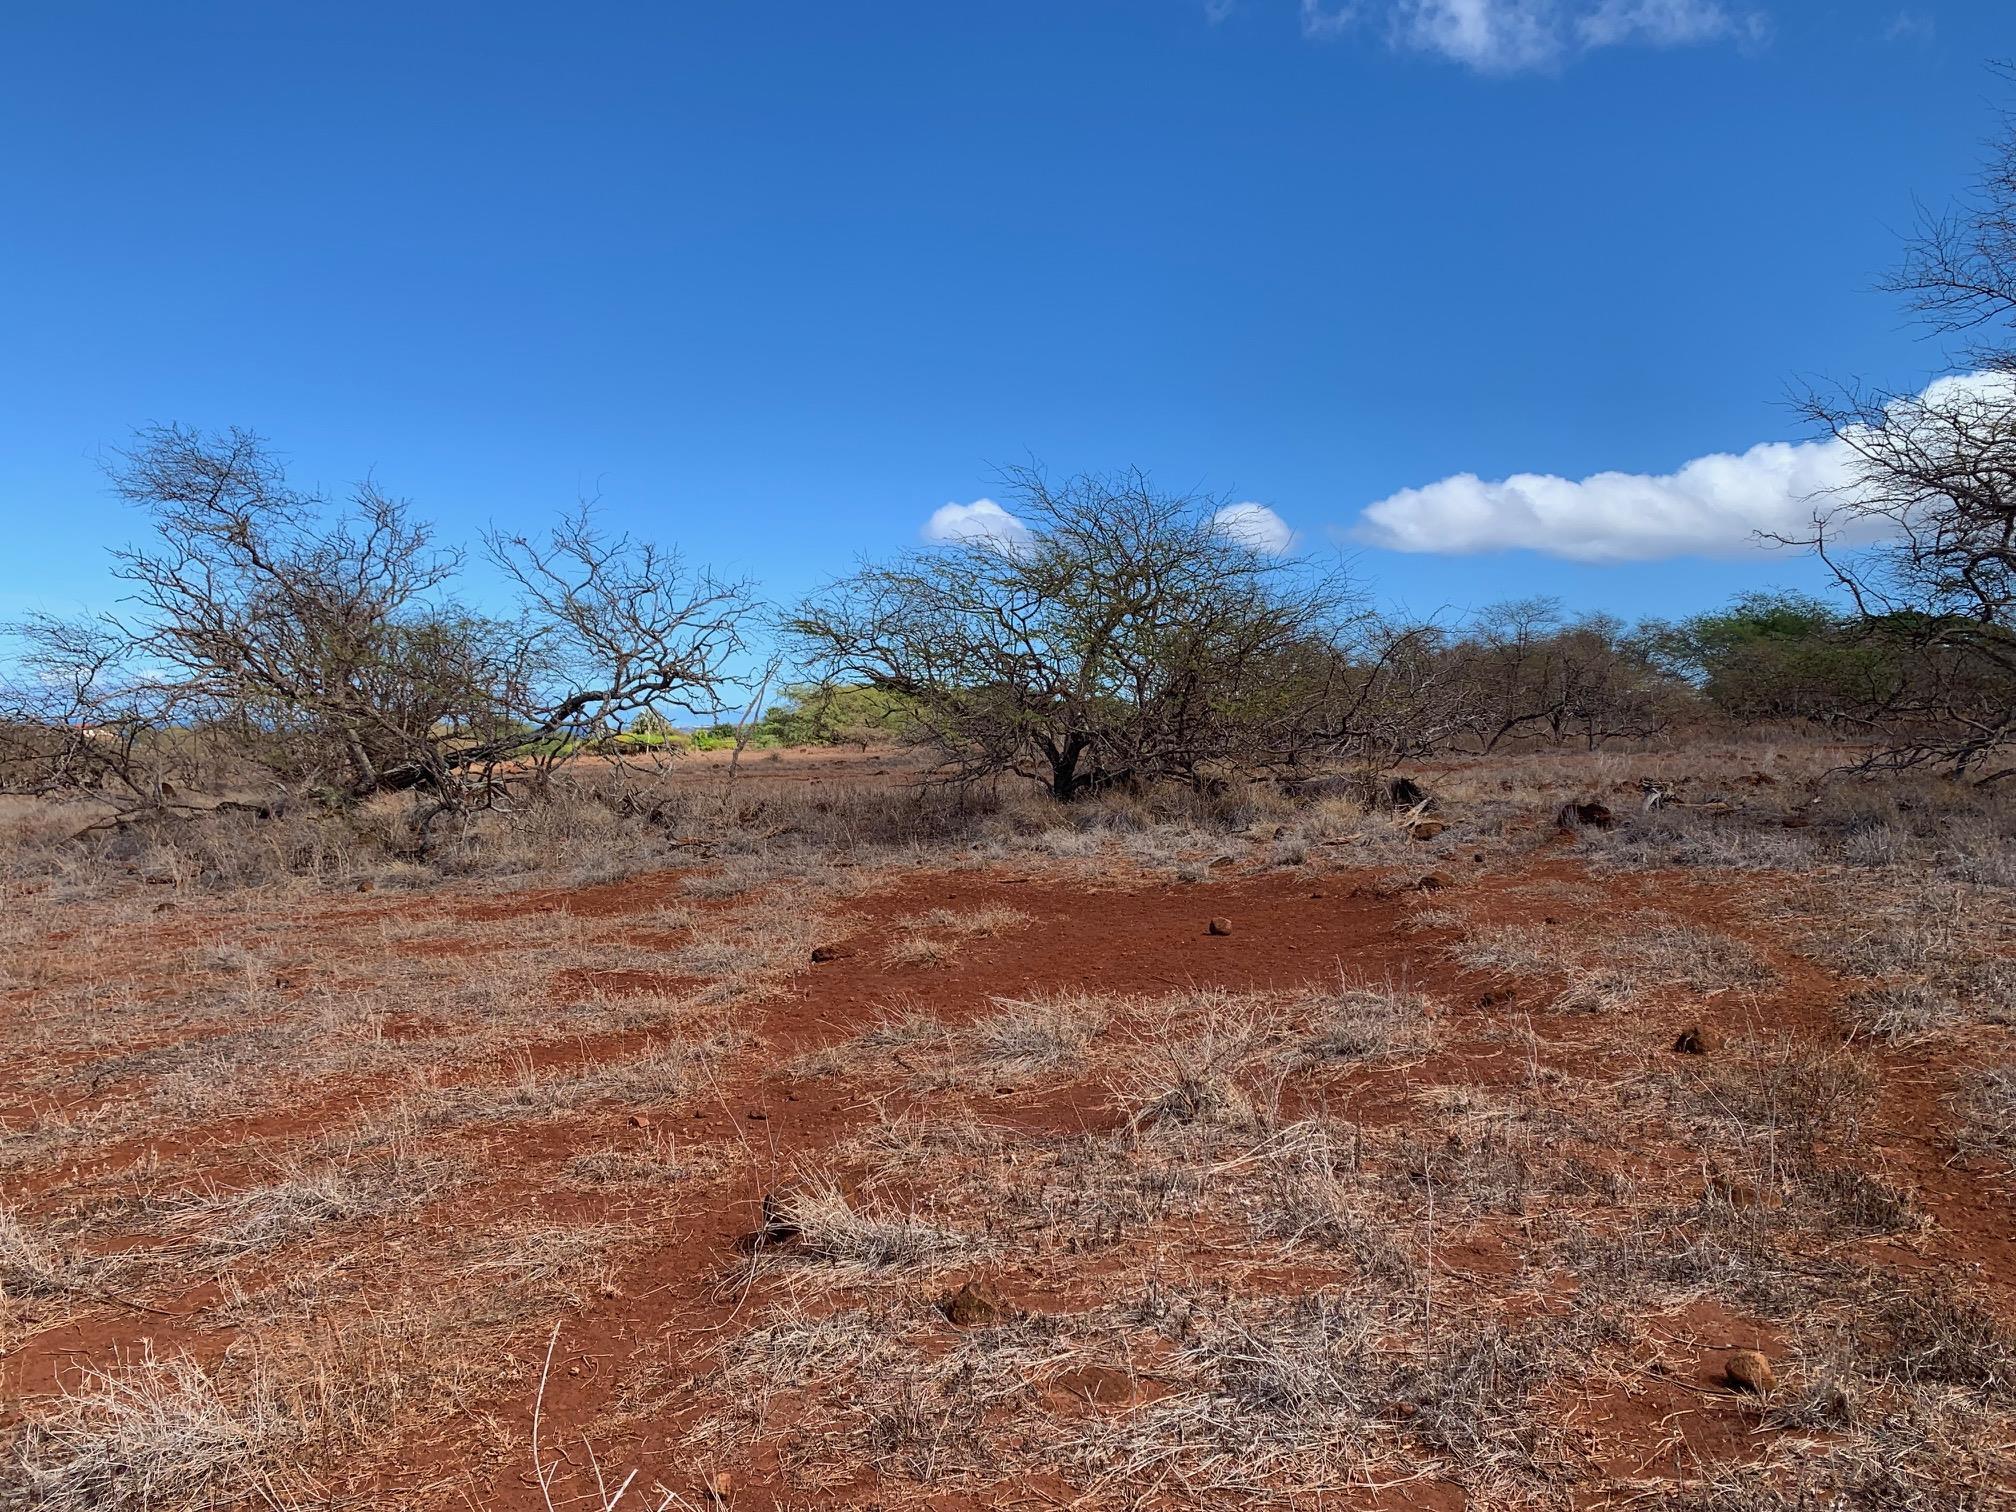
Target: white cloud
x: 982, y: 520
x: 1514, y: 36
x: 1911, y: 26
x: 1663, y: 23
x: 1328, y: 18
x: 1492, y: 36
x: 1712, y: 506
x: 1257, y: 526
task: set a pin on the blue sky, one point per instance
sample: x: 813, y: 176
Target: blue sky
x: 779, y: 282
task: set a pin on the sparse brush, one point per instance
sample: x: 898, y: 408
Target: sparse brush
x: 1790, y: 1093
x: 1368, y: 1023
x: 28, y: 1267
x: 1314, y: 1195
x: 1988, y: 1105
x: 969, y: 923
x: 154, y: 1434
x: 552, y: 1265
x: 1900, y: 1013
x: 1303, y: 1373
x: 826, y: 1227
x: 1854, y: 1200
x: 1472, y: 1392
x: 1931, y: 1334
x: 920, y: 950
x: 1188, y: 1063
x: 307, y: 1197
x: 1610, y: 970
x: 1026, y: 1037
x: 658, y: 1160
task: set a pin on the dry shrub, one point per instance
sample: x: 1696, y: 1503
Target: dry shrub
x: 28, y: 1266
x: 155, y: 1433
x: 1315, y: 1194
x: 1030, y: 1037
x: 1901, y: 1013
x: 1365, y: 1022
x: 1987, y: 1107
x: 1189, y: 1062
x: 824, y: 1226
x: 1931, y: 1334
x: 357, y: 1184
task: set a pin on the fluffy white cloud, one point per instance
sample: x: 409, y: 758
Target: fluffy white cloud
x: 1512, y: 36
x: 982, y: 520
x: 1257, y: 526
x: 1712, y: 506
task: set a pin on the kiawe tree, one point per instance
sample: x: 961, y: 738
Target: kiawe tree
x: 1922, y: 531
x: 1108, y: 634
x: 321, y: 643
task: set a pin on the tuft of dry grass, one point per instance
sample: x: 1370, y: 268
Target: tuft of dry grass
x: 1191, y: 1062
x: 154, y: 1433
x: 933, y: 938
x: 1364, y: 1022
x: 352, y: 1186
x: 1987, y: 1106
x: 28, y: 1266
x: 817, y: 1222
x: 1615, y: 967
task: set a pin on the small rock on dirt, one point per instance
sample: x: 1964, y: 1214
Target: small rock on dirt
x: 1220, y: 926
x: 1695, y: 1040
x: 976, y: 1305
x: 1748, y: 1370
x: 639, y: 1121
x: 1426, y: 829
x: 823, y: 953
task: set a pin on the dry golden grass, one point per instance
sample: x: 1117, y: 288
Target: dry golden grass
x: 1329, y: 1233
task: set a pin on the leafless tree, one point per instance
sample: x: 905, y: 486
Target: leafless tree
x: 321, y: 640
x: 1118, y: 636
x: 1922, y: 534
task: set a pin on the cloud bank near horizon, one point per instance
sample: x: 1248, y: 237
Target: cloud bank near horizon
x: 1714, y: 505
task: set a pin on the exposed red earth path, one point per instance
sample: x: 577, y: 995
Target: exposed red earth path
x: 1291, y: 928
